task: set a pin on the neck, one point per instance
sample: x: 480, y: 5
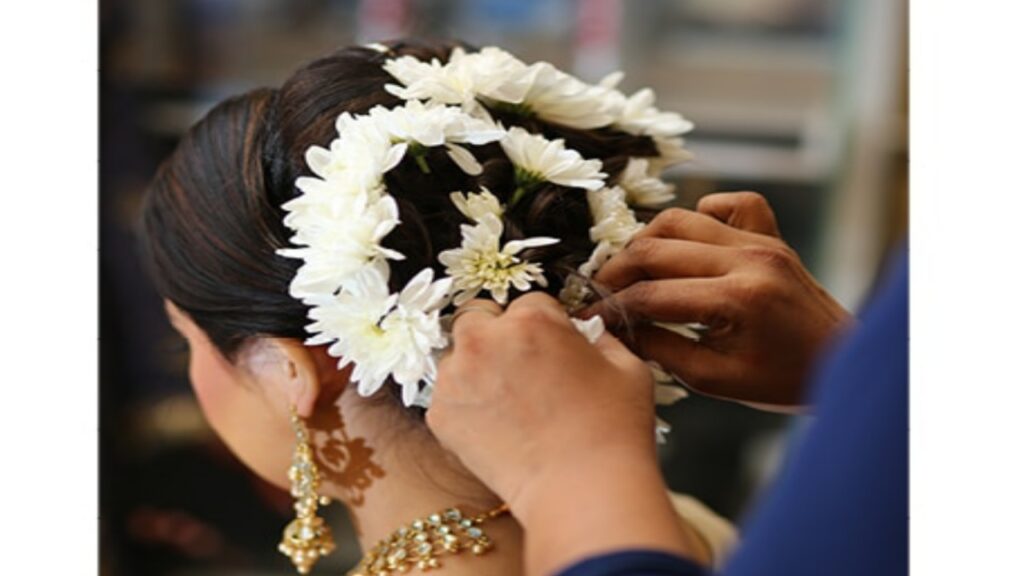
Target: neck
x: 396, y: 472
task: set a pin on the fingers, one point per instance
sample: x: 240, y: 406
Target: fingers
x: 743, y: 210
x: 473, y: 315
x: 694, y: 363
x: 682, y: 224
x: 678, y: 300
x: 539, y: 305
x: 659, y: 258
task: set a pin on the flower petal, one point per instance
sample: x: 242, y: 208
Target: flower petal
x: 464, y: 160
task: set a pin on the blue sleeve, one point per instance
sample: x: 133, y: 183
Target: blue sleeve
x: 635, y: 563
x: 840, y: 505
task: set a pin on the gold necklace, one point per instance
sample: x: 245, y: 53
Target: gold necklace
x: 421, y: 543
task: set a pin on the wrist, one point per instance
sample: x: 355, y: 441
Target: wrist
x: 602, y: 501
x: 589, y: 467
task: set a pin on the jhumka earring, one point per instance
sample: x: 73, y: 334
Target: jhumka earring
x: 307, y: 537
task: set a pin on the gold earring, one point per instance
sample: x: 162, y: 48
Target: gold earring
x: 307, y: 537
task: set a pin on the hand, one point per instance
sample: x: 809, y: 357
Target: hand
x: 726, y: 267
x: 523, y: 394
x: 560, y: 429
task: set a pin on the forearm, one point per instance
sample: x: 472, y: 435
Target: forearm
x: 599, y: 503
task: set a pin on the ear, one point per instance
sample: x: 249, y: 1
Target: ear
x: 287, y: 368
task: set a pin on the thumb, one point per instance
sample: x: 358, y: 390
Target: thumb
x: 743, y: 210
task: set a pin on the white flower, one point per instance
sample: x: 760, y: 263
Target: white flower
x: 561, y: 98
x: 436, y: 125
x: 337, y: 239
x: 640, y: 117
x: 360, y: 154
x: 497, y: 77
x: 482, y: 264
x: 432, y: 125
x: 602, y: 253
x: 614, y: 226
x: 384, y: 335
x: 476, y: 206
x: 641, y: 188
x: 549, y: 160
x: 491, y: 72
x: 369, y: 145
x: 614, y: 222
x: 324, y: 200
x: 670, y: 153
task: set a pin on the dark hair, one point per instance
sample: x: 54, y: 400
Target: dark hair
x: 212, y: 216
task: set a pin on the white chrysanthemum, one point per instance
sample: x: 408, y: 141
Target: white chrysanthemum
x: 369, y: 145
x: 602, y: 253
x: 432, y: 125
x: 322, y: 201
x: 614, y: 222
x: 641, y: 188
x: 360, y: 154
x: 499, y: 78
x: 436, y: 125
x: 384, y: 335
x: 639, y: 116
x: 561, y: 98
x: 336, y: 239
x: 481, y: 263
x: 491, y: 73
x: 476, y: 206
x: 539, y: 159
x: 671, y: 151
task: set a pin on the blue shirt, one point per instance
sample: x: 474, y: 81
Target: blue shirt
x: 840, y: 505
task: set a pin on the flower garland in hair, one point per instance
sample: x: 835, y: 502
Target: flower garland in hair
x: 496, y: 79
x: 340, y: 221
x: 344, y: 211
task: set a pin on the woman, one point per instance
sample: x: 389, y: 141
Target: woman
x: 249, y: 237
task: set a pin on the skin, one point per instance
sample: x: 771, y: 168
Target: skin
x: 417, y: 476
x: 411, y: 474
x: 575, y: 460
x: 585, y: 482
x: 725, y: 266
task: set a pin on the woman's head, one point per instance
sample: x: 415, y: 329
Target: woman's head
x: 214, y: 223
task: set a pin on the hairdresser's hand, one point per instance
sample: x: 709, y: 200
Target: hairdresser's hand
x: 726, y: 267
x: 560, y: 429
x: 516, y: 380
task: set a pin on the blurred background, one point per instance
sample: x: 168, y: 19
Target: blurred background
x: 801, y: 100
